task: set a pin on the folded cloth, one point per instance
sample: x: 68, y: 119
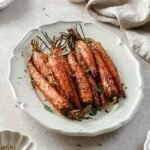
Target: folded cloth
x: 132, y: 16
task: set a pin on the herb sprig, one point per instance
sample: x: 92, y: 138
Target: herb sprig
x: 48, y: 108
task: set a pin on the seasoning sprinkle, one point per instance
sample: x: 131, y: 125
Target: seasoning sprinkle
x: 19, y: 78
x: 53, y: 83
x: 99, y: 89
x: 88, y: 40
x: 87, y: 71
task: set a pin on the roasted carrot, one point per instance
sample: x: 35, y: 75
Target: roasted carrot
x: 40, y: 60
x: 107, y: 82
x: 92, y: 83
x: 57, y: 100
x: 96, y: 97
x: 87, y: 56
x: 75, y: 97
x: 111, y: 67
x: 84, y: 91
x: 61, y: 75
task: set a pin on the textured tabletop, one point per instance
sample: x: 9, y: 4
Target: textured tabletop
x: 15, y: 22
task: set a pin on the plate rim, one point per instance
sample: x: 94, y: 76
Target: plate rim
x: 83, y: 133
x: 147, y: 141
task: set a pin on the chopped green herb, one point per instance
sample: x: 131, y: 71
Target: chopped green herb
x: 99, y: 144
x: 100, y: 89
x: 19, y: 78
x: 47, y: 15
x: 53, y: 83
x: 33, y: 87
x: 106, y: 111
x: 93, y: 111
x: 43, y: 8
x: 25, y: 70
x: 87, y: 118
x: 87, y: 71
x: 22, y: 53
x: 88, y: 40
x: 79, y: 145
x: 95, y: 49
x: 65, y: 52
x: 124, y: 86
x: 48, y: 108
x: 72, y: 75
x: 116, y: 69
x: 16, y: 106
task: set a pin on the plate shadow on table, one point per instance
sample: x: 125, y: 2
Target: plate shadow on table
x: 14, y: 11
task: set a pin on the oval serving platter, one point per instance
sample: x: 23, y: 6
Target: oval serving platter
x: 31, y: 102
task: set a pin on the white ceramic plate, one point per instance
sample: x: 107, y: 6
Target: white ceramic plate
x: 5, y: 3
x: 120, y: 114
x: 16, y: 139
x: 147, y: 142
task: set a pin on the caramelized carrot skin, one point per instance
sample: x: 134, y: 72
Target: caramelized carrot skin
x: 58, y: 101
x: 83, y: 86
x: 96, y: 96
x: 92, y: 83
x: 112, y: 69
x: 87, y: 56
x: 60, y: 74
x: 41, y: 62
x: 75, y: 98
x: 105, y: 77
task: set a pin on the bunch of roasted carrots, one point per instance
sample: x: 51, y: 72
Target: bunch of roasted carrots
x: 77, y: 76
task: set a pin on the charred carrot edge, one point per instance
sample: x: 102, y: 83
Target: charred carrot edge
x: 87, y: 56
x: 75, y: 97
x: 106, y: 80
x: 107, y: 60
x: 90, y: 79
x: 57, y: 100
x: 83, y: 86
x: 61, y: 76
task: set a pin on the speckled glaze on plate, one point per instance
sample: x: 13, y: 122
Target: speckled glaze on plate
x: 16, y: 139
x: 30, y: 101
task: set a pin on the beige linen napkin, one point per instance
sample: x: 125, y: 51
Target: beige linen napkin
x: 132, y: 16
